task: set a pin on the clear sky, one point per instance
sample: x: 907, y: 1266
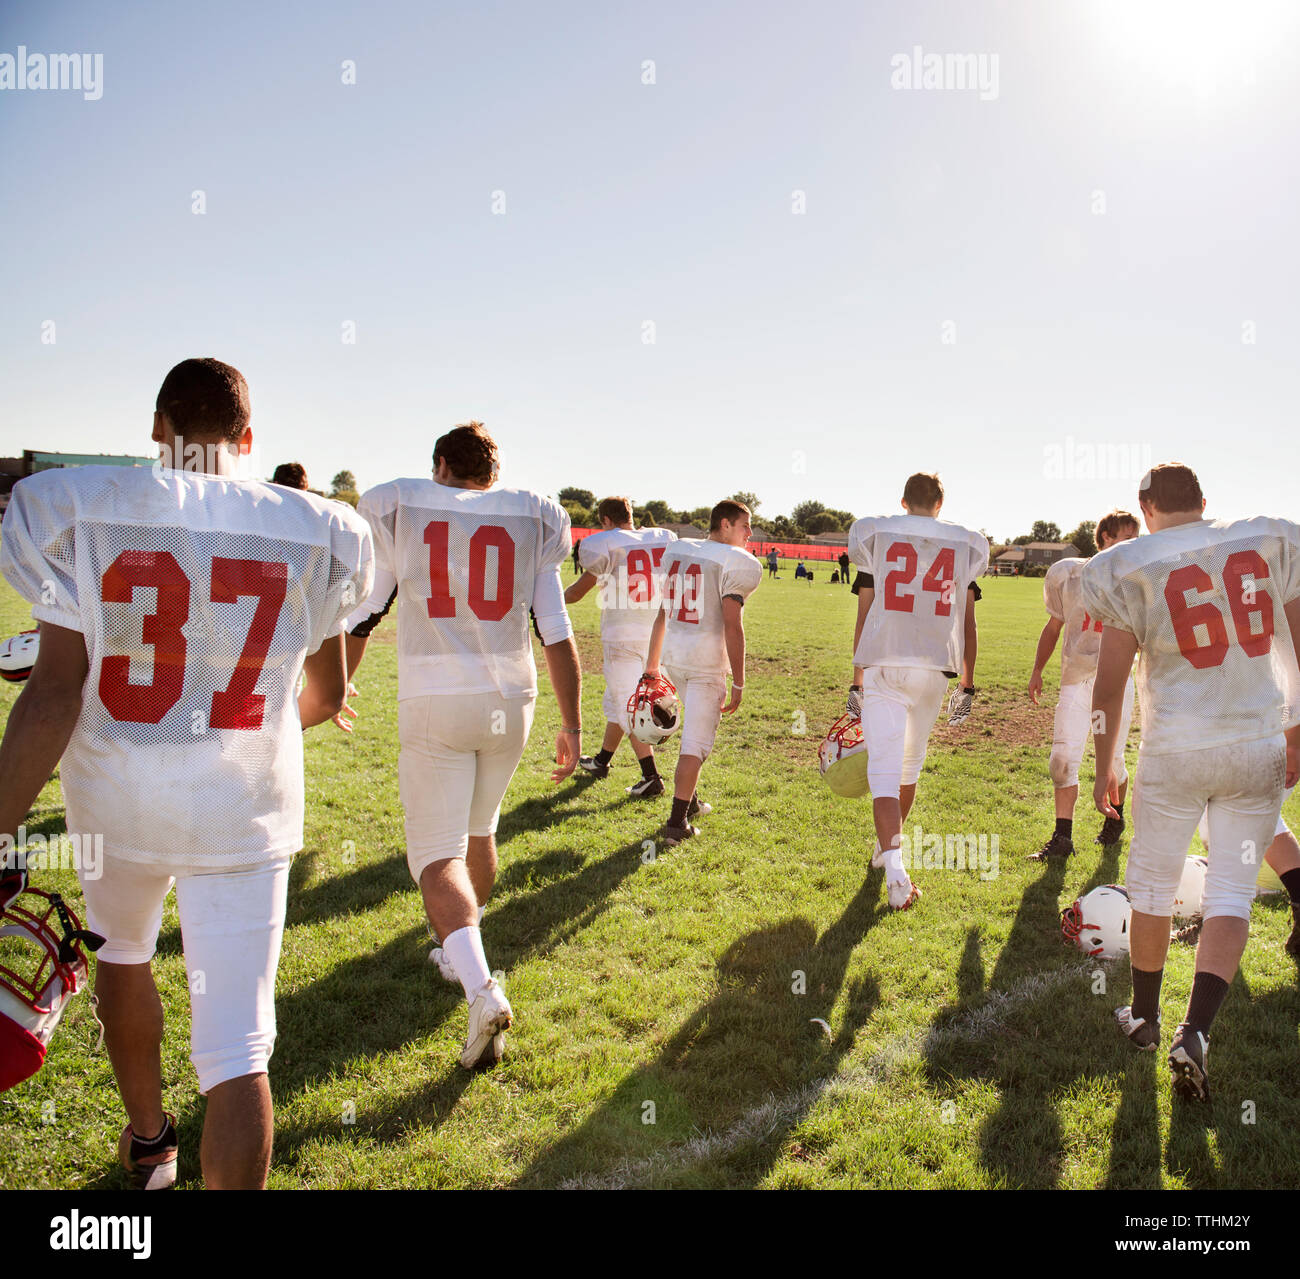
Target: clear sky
x: 1097, y: 227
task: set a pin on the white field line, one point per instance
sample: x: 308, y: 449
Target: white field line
x: 758, y: 1123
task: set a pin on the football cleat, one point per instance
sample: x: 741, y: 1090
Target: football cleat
x: 959, y: 705
x: 1189, y: 933
x: 653, y: 712
x: 150, y: 1165
x: 490, y: 1016
x: 1098, y: 922
x: 1058, y: 846
x: 1292, y: 945
x: 674, y: 835
x: 697, y: 808
x: 1111, y: 831
x: 903, y: 894
x: 842, y: 755
x: 42, y: 970
x: 590, y: 764
x: 18, y: 655
x: 442, y: 961
x: 1189, y: 1056
x: 647, y: 788
x: 1139, y: 1032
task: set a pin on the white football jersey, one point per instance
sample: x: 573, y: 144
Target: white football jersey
x: 1205, y: 600
x: 628, y: 565
x: 922, y: 570
x: 467, y: 566
x: 700, y: 574
x: 1080, y: 633
x: 199, y: 599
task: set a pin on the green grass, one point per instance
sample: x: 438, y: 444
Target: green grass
x: 967, y: 1045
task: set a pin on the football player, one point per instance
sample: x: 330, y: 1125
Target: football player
x: 177, y: 609
x: 699, y: 638
x: 627, y: 563
x: 1072, y: 724
x: 906, y: 650
x: 470, y: 562
x: 1213, y: 608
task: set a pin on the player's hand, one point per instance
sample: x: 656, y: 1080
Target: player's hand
x: 1105, y: 795
x: 854, y: 703
x: 568, y: 746
x: 959, y: 705
x: 1035, y: 685
x: 734, y: 704
x: 347, y: 710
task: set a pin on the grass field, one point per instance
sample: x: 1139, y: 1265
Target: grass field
x: 664, y: 1004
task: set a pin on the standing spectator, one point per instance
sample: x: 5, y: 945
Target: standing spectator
x: 576, y: 567
x: 772, y: 561
x: 844, y: 567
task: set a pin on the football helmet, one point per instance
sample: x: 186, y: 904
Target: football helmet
x: 843, y: 758
x: 1191, y: 888
x: 18, y: 655
x: 1098, y: 922
x: 653, y: 712
x: 32, y: 1000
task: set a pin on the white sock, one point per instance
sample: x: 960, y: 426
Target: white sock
x: 894, y: 872
x: 465, y: 950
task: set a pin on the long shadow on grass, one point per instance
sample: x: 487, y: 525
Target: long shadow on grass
x: 752, y: 1042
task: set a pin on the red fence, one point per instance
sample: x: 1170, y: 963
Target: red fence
x: 786, y: 550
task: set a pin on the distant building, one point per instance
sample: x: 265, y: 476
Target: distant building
x: 13, y: 469
x: 1015, y: 559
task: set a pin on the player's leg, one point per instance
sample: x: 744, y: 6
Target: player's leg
x: 1242, y: 818
x: 124, y: 904
x: 925, y: 692
x: 233, y: 924
x: 1070, y: 728
x: 1168, y: 798
x: 701, y: 699
x: 884, y: 730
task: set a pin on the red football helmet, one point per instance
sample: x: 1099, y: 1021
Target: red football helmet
x: 18, y: 655
x: 653, y: 712
x: 32, y: 1001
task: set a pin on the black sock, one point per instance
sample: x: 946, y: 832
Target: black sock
x: 140, y: 1147
x: 1146, y: 994
x: 648, y: 769
x: 1208, y: 990
x: 1119, y: 808
x: 604, y: 756
x: 679, y: 812
x: 1065, y: 827
x: 1291, y: 882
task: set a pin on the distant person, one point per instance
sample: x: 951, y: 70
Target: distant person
x: 291, y: 475
x: 801, y: 571
x: 844, y: 567
x: 772, y: 561
x: 577, y: 568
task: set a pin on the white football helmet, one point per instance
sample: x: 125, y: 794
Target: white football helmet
x: 39, y: 972
x: 653, y: 712
x: 1191, y: 888
x: 18, y: 655
x: 1098, y: 922
x: 843, y: 758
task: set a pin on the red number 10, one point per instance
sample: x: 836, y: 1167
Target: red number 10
x: 441, y: 603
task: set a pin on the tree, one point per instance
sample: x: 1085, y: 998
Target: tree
x: 1045, y: 531
x: 746, y: 499
x: 783, y: 528
x: 343, y: 482
x: 660, y: 510
x: 1084, y: 538
x: 805, y: 512
x: 643, y: 518
x: 822, y: 522
x: 579, y: 516
x: 579, y: 497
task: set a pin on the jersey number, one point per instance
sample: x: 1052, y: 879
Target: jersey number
x: 441, y: 603
x: 939, y: 579
x: 683, y: 592
x: 641, y: 564
x: 237, y: 706
x: 1243, y: 603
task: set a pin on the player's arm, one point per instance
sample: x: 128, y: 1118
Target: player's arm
x: 1046, y: 647
x: 865, y: 597
x: 1292, y: 611
x: 325, y: 692
x: 1114, y: 663
x: 551, y: 620
x: 733, y: 632
x: 971, y: 641
x: 41, y: 722
x: 655, y: 652
x: 581, y: 587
